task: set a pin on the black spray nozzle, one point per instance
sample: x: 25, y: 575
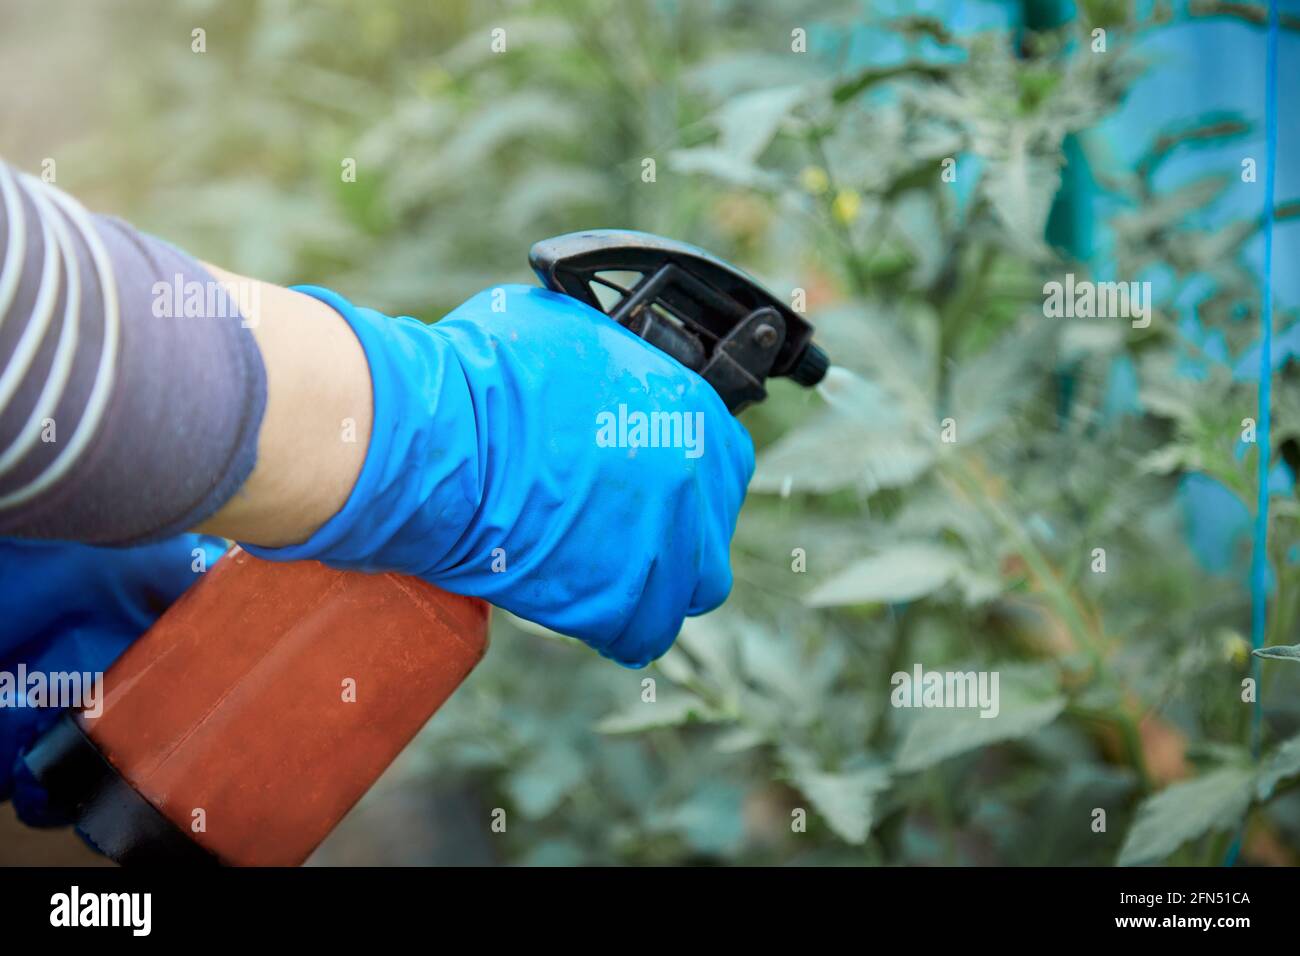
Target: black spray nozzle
x: 811, y: 366
x: 702, y: 311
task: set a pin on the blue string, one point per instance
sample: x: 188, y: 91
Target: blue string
x: 1259, y: 551
x: 1259, y: 557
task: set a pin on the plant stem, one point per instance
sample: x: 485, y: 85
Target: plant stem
x: 1065, y: 605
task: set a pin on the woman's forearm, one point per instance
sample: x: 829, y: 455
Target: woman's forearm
x: 143, y: 394
x: 316, y: 427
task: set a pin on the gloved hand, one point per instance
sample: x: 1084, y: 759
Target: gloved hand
x: 502, y: 464
x: 75, y: 608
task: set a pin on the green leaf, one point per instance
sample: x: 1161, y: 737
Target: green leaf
x: 680, y: 708
x: 527, y: 116
x: 988, y: 386
x: 772, y: 661
x: 747, y: 123
x: 723, y: 166
x: 730, y: 73
x: 712, y: 820
x: 903, y: 572
x: 846, y: 799
x: 1282, y: 763
x: 524, y: 31
x: 978, y: 587
x: 676, y: 666
x: 710, y: 641
x: 1020, y: 188
x: 1027, y: 699
x: 828, y: 455
x: 1184, y: 811
x: 545, y: 779
x: 739, y: 739
x: 1279, y: 652
x: 871, y: 435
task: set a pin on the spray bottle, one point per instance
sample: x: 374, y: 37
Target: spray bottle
x: 225, y: 734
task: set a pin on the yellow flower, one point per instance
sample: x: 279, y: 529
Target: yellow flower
x: 846, y: 205
x: 1235, y: 648
x: 814, y: 180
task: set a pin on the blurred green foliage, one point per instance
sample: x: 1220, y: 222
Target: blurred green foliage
x: 1120, y: 690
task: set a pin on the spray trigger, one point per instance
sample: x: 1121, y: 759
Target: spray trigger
x: 705, y: 313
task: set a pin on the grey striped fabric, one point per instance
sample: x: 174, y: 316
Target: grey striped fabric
x: 131, y: 390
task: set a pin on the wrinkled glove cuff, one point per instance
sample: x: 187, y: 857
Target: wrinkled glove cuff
x: 423, y: 410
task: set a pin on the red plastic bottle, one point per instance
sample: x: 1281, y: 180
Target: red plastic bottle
x: 255, y: 713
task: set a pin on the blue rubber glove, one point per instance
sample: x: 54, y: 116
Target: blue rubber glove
x: 498, y: 467
x: 75, y: 608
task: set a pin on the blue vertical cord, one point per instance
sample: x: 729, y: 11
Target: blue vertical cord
x: 1259, y: 551
x: 1259, y: 556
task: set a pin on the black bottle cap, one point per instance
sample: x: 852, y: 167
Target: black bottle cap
x: 111, y: 814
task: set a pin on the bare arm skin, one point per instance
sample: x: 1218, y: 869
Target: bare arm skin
x: 317, y: 423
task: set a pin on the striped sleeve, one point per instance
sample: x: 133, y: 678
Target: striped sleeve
x: 124, y: 415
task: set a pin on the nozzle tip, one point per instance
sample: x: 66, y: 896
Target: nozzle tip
x: 810, y: 368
